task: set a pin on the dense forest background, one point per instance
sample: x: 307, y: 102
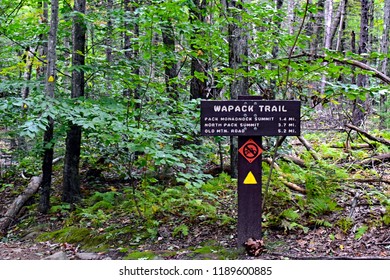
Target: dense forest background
x: 110, y: 90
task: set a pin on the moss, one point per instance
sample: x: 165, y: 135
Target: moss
x: 100, y: 205
x: 68, y: 234
x: 211, y: 250
x: 83, y: 236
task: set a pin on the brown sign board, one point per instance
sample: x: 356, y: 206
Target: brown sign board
x: 250, y: 118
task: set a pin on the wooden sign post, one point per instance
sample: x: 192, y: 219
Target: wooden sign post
x: 249, y: 119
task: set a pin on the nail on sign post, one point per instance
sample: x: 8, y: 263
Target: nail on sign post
x: 249, y: 118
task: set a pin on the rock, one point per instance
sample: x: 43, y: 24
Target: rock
x: 86, y: 256
x: 57, y: 256
x: 90, y: 256
x: 30, y: 236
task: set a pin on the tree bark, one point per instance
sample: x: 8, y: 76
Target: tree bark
x: 198, y: 87
x: 362, y: 80
x: 131, y: 48
x: 340, y: 26
x: 109, y: 58
x: 384, y: 63
x: 238, y: 54
x: 170, y: 64
x: 47, y: 167
x: 317, y: 29
x: 71, y: 178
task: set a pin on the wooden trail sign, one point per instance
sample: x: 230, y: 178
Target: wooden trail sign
x: 249, y: 118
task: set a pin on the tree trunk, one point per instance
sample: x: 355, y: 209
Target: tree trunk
x: 328, y: 15
x: 362, y: 80
x: 170, y: 64
x: 238, y: 54
x: 338, y: 25
x: 198, y: 87
x: 384, y: 64
x: 71, y: 181
x: 317, y: 29
x: 47, y: 167
x: 42, y: 50
x: 290, y: 16
x: 131, y: 48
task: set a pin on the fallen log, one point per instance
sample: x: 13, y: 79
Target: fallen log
x: 369, y: 180
x: 14, y: 208
x: 376, y: 159
x: 308, y: 147
x: 354, y: 146
x: 295, y: 160
x: 18, y: 203
x: 369, y: 136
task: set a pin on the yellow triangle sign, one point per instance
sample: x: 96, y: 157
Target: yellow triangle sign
x: 250, y: 179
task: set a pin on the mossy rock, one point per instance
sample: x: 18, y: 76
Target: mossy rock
x: 74, y: 235
x: 210, y: 251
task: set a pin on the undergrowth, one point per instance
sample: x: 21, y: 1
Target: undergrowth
x: 129, y: 214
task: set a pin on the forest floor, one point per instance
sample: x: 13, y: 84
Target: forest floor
x: 318, y: 243
x: 367, y: 237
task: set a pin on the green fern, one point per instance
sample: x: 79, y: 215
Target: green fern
x: 360, y: 232
x: 322, y: 205
x: 321, y: 223
x: 345, y: 224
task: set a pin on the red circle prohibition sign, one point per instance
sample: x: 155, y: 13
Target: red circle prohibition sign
x: 250, y: 150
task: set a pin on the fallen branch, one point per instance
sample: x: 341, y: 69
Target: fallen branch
x: 354, y: 146
x: 345, y: 61
x: 308, y: 147
x: 376, y: 159
x: 290, y: 185
x: 370, y: 180
x: 369, y: 136
x: 295, y: 160
x: 14, y: 208
x: 18, y: 203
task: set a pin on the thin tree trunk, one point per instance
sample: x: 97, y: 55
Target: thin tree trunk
x: 42, y: 50
x: 71, y: 179
x: 170, y: 64
x: 362, y: 80
x: 109, y: 45
x: 317, y: 29
x: 384, y: 64
x: 47, y: 166
x: 290, y: 16
x: 340, y: 26
x: 328, y: 34
x: 131, y: 48
x: 198, y: 87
